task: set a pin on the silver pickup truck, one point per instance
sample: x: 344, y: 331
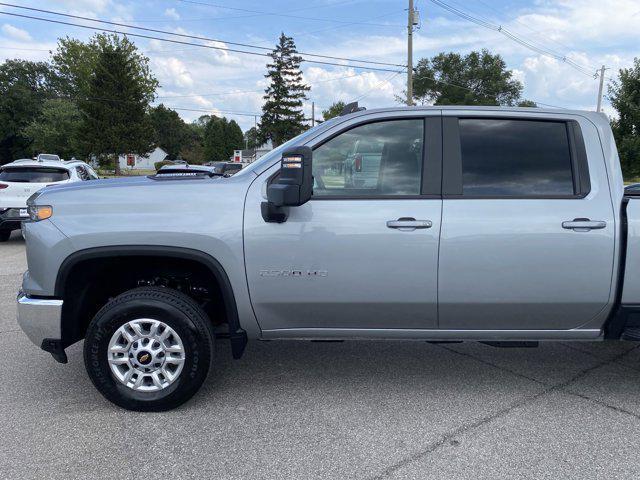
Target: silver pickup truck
x: 501, y: 225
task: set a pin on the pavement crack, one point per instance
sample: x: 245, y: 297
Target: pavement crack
x: 614, y: 408
x: 501, y: 413
x: 499, y: 367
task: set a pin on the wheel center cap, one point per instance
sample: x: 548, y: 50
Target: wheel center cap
x: 144, y: 358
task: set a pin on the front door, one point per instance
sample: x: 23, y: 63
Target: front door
x: 363, y: 253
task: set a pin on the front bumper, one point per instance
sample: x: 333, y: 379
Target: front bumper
x: 40, y: 319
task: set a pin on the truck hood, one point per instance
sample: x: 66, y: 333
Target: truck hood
x: 142, y: 210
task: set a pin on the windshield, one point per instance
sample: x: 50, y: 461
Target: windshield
x: 34, y: 175
x: 48, y: 156
x: 266, y: 159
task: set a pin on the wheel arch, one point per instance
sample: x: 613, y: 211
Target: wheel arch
x: 237, y: 335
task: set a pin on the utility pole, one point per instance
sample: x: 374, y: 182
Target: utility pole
x: 410, y: 55
x: 599, y: 108
x: 313, y: 114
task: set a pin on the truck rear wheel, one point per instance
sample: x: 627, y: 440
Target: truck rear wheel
x: 149, y: 349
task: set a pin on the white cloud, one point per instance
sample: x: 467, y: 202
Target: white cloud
x: 171, y: 13
x: 89, y: 8
x: 173, y: 72
x: 16, y: 33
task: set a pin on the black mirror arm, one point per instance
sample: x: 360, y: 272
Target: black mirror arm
x: 273, y: 214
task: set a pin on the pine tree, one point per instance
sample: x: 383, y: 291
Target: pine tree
x: 214, y: 140
x: 233, y: 137
x: 115, y: 109
x: 282, y: 116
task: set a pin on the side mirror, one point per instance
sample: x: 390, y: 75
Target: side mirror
x: 293, y: 187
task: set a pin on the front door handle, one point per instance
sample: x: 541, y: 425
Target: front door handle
x: 583, y: 225
x: 407, y: 224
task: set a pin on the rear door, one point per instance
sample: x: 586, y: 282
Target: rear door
x: 356, y: 256
x: 528, y: 225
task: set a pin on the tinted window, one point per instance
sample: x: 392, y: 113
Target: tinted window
x: 82, y: 173
x: 515, y: 158
x: 33, y: 175
x: 92, y: 174
x: 382, y: 158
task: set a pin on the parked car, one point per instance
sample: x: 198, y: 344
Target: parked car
x: 492, y: 224
x: 185, y: 170
x: 227, y: 168
x: 22, y: 178
x: 633, y: 188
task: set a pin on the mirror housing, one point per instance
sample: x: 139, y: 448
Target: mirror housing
x: 293, y: 187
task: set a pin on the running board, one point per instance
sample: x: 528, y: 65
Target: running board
x: 434, y: 335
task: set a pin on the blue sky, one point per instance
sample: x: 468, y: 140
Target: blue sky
x: 588, y: 32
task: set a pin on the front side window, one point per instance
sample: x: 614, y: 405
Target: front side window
x: 504, y: 157
x: 33, y: 174
x: 375, y: 159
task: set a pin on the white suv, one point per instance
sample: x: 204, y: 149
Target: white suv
x: 22, y: 178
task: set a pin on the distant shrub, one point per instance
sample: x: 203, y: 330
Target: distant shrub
x: 159, y: 165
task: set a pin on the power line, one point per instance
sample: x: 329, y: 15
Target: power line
x: 180, y: 42
x: 524, y: 25
x: 193, y: 37
x: 502, y: 30
x: 286, y: 15
x: 378, y: 85
x: 213, y: 110
x: 207, y: 19
x: 255, y: 91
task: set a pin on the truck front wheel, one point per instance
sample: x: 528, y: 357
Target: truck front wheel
x: 149, y: 349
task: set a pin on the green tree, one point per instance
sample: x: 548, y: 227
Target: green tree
x: 75, y: 61
x: 116, y: 101
x: 56, y: 129
x: 334, y: 110
x: 169, y: 130
x: 479, y: 78
x: 282, y: 116
x: 234, y: 139
x: 24, y: 87
x: 214, y: 140
x: 193, y: 150
x: 252, y: 138
x: 624, y: 94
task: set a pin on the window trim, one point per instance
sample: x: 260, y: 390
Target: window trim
x: 430, y: 185
x: 452, y: 187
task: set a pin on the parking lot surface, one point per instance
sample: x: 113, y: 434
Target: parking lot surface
x: 303, y: 410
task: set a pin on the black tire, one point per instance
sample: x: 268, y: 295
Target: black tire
x: 171, y: 307
x: 4, y: 235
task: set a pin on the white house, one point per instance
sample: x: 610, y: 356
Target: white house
x: 130, y: 161
x: 251, y: 155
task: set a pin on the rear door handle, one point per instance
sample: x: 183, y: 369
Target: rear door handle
x: 583, y: 225
x: 408, y: 224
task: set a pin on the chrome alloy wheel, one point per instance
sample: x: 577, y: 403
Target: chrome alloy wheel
x: 146, y: 355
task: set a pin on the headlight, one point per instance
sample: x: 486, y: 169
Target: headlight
x: 39, y: 212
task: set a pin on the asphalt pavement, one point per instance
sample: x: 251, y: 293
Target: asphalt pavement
x: 305, y: 410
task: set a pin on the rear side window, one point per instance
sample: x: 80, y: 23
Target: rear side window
x: 504, y: 157
x: 34, y: 174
